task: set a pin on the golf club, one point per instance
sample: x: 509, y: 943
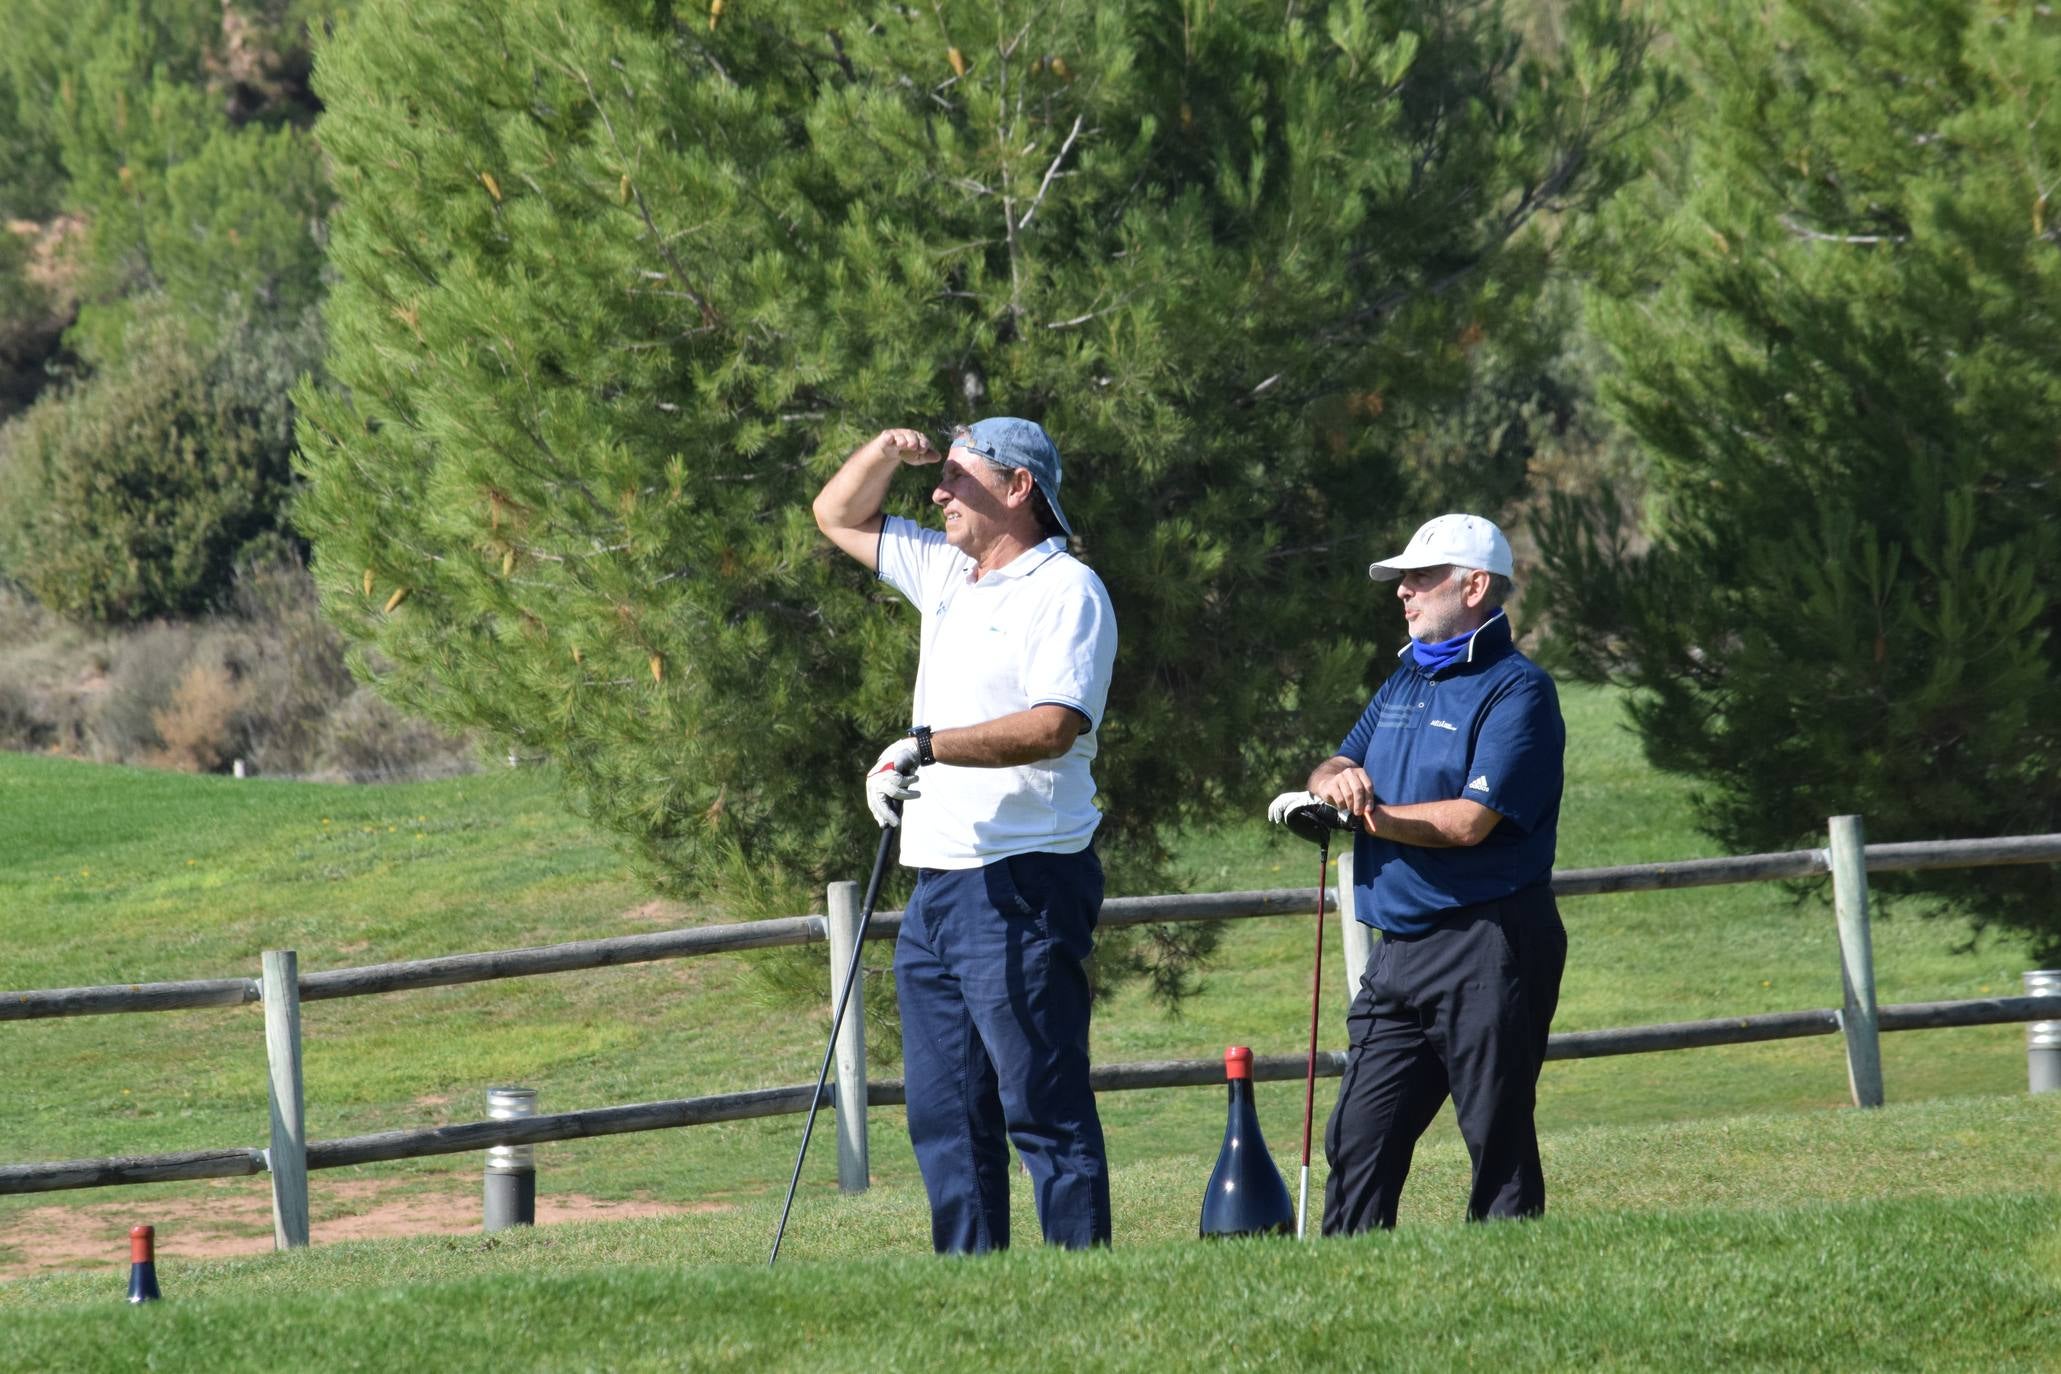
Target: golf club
x: 1309, y: 1090
x: 1314, y: 821
x: 844, y: 996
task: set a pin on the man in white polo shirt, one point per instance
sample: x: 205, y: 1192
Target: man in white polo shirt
x: 1018, y: 638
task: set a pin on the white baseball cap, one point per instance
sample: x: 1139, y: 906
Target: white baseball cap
x: 1464, y: 541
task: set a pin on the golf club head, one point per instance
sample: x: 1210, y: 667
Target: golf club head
x: 1317, y: 821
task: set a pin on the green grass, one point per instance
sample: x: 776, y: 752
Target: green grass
x: 112, y: 875
x: 1885, y: 1286
x: 1917, y: 1237
x: 1811, y: 1290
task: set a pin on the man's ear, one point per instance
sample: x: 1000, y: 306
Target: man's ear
x: 1021, y: 485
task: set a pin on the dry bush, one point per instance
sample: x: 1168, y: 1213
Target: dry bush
x: 290, y: 663
x: 22, y: 726
x: 20, y: 617
x: 146, y: 667
x: 24, y: 721
x: 197, y: 728
x: 265, y: 681
x: 367, y: 740
x: 302, y: 711
x: 52, y: 673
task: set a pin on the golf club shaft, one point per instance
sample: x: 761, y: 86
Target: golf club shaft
x: 844, y: 997
x: 1309, y: 1091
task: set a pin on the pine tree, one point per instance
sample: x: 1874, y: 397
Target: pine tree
x: 224, y: 221
x: 191, y: 240
x: 620, y: 285
x: 1846, y: 374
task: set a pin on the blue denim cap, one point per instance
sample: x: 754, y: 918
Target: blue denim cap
x: 1022, y: 444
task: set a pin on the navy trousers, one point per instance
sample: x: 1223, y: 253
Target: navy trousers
x: 994, y: 1000
x: 1462, y: 1009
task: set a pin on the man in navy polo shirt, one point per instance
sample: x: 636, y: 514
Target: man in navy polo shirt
x: 1018, y: 639
x: 1452, y: 778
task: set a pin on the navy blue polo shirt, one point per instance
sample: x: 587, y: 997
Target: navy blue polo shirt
x: 1486, y: 727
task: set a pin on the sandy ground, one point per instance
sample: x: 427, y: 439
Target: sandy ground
x: 236, y: 1219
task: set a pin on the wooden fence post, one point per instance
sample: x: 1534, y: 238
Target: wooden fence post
x: 852, y: 1161
x: 1856, y: 961
x: 280, y: 988
x: 1355, y: 937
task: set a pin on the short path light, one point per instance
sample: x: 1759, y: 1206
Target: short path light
x: 2043, y: 1038
x: 511, y: 1169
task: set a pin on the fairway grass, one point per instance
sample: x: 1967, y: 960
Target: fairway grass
x: 1881, y: 1286
x: 1923, y: 1237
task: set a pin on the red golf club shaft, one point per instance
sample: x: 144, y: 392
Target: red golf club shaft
x: 1309, y: 1095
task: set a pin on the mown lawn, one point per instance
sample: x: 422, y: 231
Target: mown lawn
x: 1916, y: 1237
x: 111, y: 875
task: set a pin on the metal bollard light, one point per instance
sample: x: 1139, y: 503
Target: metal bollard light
x: 511, y: 1198
x: 2043, y: 1038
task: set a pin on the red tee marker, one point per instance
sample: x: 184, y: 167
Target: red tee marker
x: 143, y: 1264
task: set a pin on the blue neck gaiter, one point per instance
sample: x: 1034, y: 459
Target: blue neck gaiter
x: 1432, y: 657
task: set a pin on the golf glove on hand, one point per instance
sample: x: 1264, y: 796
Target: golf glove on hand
x: 1308, y: 815
x: 890, y: 779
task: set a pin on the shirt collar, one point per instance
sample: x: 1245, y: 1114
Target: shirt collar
x: 1027, y: 562
x: 1488, y: 642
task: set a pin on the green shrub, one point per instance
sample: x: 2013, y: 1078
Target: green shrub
x: 129, y: 495
x: 25, y: 318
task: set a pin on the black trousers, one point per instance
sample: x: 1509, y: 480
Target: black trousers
x: 1462, y: 1011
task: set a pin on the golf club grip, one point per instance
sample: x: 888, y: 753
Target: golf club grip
x: 844, y: 997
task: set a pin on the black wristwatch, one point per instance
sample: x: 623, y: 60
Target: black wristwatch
x: 921, y: 734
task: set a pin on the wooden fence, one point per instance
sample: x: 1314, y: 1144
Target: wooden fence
x: 281, y: 987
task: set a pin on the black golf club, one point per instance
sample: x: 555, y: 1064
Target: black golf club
x: 844, y: 997
x: 1314, y: 821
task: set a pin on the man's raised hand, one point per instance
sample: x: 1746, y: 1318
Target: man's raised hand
x: 912, y: 446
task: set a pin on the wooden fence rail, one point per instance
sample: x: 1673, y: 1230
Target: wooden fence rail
x: 1117, y: 911
x: 470, y: 1136
x: 290, y: 1157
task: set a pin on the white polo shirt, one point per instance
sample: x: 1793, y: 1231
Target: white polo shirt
x: 1038, y: 632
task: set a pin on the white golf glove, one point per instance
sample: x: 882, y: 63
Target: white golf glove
x: 1308, y: 816
x: 1279, y: 809
x: 890, y: 780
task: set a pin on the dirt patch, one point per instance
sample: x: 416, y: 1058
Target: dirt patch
x: 236, y: 1219
x: 671, y: 915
